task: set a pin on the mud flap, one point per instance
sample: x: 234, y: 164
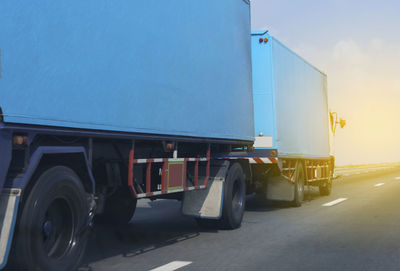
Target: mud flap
x: 280, y: 188
x: 9, y: 200
x: 205, y: 203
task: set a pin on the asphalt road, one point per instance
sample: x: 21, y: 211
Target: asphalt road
x: 360, y: 232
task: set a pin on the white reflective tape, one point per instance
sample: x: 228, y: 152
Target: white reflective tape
x: 176, y: 159
x: 158, y: 160
x: 264, y: 160
x: 379, y: 184
x: 267, y: 161
x: 171, y: 266
x: 397, y: 178
x: 175, y: 190
x: 141, y: 161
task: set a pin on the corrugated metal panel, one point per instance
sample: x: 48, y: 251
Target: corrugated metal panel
x: 161, y: 67
x: 300, y: 101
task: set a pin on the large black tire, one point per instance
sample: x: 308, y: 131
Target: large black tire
x: 234, y: 201
x: 325, y: 188
x: 207, y: 223
x: 118, y: 209
x: 299, y: 187
x: 52, y: 227
x: 234, y: 197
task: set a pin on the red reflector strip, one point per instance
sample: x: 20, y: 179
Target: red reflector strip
x: 258, y: 160
x: 273, y: 160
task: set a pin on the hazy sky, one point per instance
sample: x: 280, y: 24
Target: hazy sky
x: 357, y: 43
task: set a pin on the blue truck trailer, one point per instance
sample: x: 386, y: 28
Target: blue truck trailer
x: 291, y: 122
x: 103, y: 103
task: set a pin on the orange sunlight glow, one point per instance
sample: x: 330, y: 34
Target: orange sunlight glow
x: 364, y: 88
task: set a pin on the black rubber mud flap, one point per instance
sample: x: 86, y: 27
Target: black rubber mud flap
x: 118, y: 209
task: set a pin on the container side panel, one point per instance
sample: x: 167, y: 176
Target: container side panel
x: 301, y: 105
x: 263, y: 95
x: 162, y: 67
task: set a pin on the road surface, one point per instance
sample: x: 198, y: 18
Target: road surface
x: 357, y: 227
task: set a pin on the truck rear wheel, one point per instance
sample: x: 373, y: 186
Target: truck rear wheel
x: 234, y: 201
x: 51, y: 233
x: 234, y: 197
x: 299, y: 187
x: 207, y: 223
x: 118, y: 209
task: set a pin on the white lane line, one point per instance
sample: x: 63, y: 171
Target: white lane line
x: 397, y: 178
x: 336, y: 201
x: 379, y: 184
x: 171, y: 266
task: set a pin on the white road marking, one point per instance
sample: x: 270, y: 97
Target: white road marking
x: 171, y: 266
x: 379, y: 184
x: 397, y: 178
x: 336, y: 201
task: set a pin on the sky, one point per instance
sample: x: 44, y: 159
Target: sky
x: 357, y: 44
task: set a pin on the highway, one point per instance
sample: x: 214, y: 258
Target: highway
x: 357, y: 227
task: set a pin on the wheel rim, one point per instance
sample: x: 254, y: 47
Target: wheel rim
x: 58, y: 228
x: 237, y: 197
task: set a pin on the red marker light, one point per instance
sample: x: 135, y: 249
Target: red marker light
x: 261, y: 40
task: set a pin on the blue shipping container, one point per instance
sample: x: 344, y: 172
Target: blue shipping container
x: 167, y: 67
x: 290, y: 101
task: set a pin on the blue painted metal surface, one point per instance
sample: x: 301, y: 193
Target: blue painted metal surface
x: 21, y: 182
x: 263, y: 87
x: 157, y: 67
x: 290, y: 100
x: 259, y: 152
x: 6, y: 152
x: 34, y: 129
